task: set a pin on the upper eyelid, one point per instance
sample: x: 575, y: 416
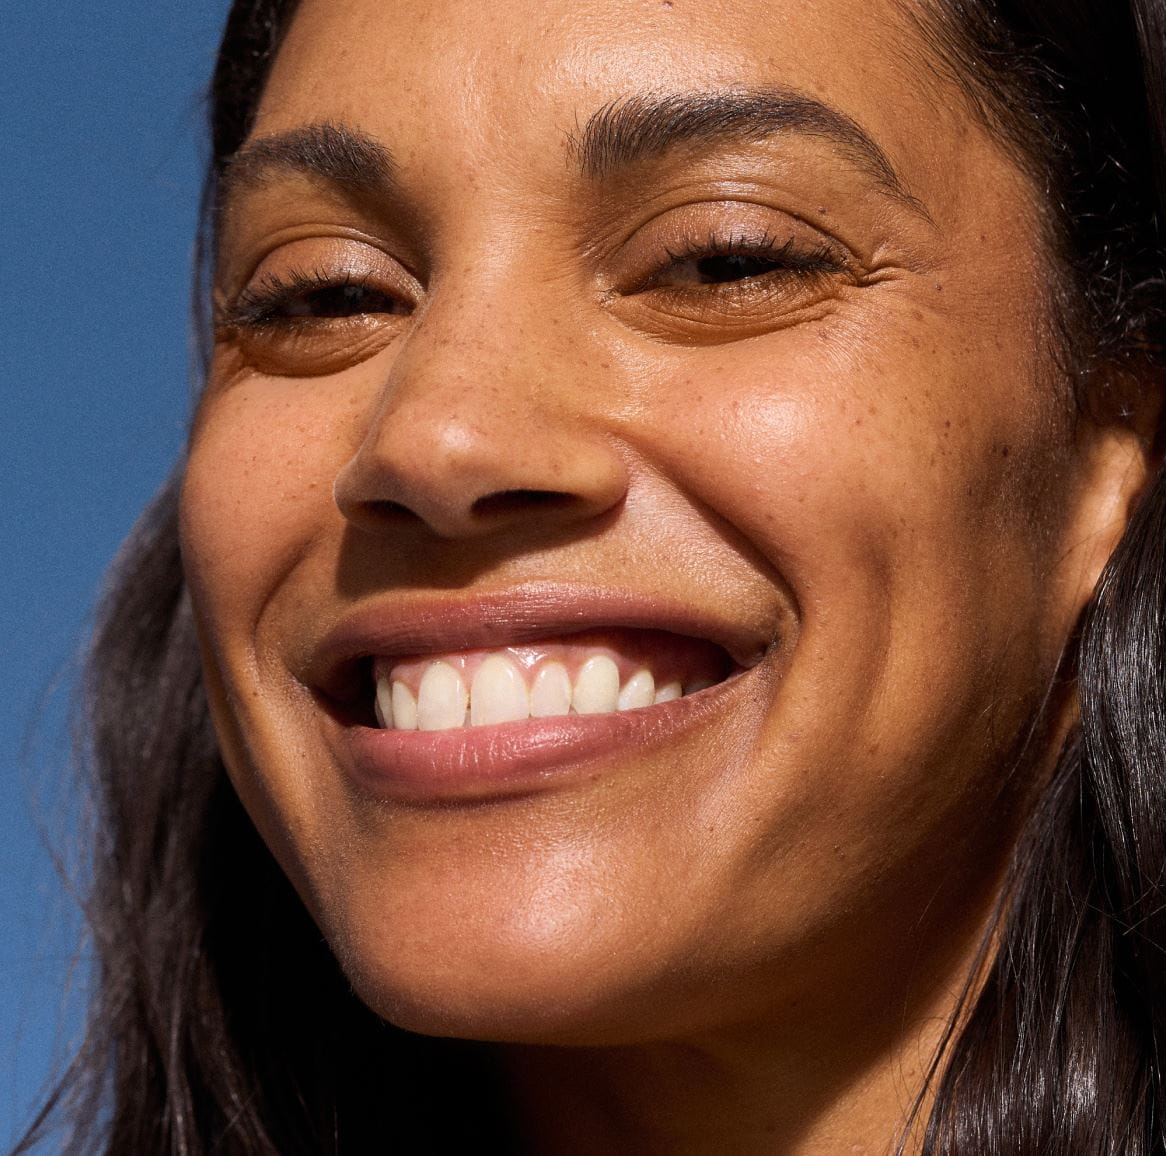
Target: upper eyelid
x: 613, y: 221
x: 320, y: 264
x: 767, y: 243
x: 712, y: 215
x: 235, y: 266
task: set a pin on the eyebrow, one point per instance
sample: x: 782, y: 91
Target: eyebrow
x: 621, y: 135
x: 640, y: 128
x: 336, y: 153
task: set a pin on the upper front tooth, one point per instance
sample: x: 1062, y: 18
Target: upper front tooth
x: 638, y: 691
x: 441, y: 698
x: 596, y: 686
x: 551, y: 694
x: 499, y: 693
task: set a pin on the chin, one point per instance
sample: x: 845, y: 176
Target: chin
x: 570, y: 974
x: 539, y: 1000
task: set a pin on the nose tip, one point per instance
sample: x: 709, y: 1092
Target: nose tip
x: 464, y: 475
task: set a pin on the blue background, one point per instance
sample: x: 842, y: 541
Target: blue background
x: 101, y: 122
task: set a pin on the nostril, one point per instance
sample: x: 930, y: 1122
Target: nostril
x: 383, y: 508
x: 519, y: 501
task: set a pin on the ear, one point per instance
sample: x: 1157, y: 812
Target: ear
x: 1119, y: 441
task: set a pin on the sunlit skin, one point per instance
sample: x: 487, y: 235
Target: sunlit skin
x: 853, y: 449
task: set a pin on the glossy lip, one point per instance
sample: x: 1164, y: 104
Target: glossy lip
x: 476, y: 764
x: 494, y: 763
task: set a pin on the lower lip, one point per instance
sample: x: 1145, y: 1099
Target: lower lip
x: 470, y: 764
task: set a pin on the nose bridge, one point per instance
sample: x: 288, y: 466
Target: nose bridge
x: 484, y: 418
x: 486, y: 351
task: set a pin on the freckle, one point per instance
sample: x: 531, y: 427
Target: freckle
x: 872, y: 411
x: 947, y: 425
x: 1003, y: 451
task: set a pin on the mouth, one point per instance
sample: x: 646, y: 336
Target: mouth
x: 591, y: 673
x: 496, y: 697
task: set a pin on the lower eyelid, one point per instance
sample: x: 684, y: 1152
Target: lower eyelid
x: 729, y: 311
x: 307, y: 348
x: 763, y: 284
x: 729, y: 295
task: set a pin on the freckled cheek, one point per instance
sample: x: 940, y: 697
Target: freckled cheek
x: 795, y: 449
x: 257, y: 492
x: 768, y: 453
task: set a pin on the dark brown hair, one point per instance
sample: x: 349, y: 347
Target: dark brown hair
x: 203, y: 945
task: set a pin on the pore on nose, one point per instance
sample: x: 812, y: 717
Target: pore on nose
x: 476, y: 463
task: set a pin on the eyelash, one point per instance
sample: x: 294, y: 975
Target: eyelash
x: 269, y: 303
x: 787, y: 258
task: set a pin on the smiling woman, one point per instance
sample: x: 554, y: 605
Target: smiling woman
x: 656, y: 645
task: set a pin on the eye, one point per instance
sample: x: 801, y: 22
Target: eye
x: 299, y: 296
x: 317, y: 307
x: 692, y: 278
x: 732, y: 261
x: 730, y: 267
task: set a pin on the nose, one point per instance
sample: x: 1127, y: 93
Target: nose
x: 481, y: 431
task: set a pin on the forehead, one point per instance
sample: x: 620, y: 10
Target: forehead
x: 514, y: 80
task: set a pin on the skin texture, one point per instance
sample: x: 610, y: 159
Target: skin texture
x: 751, y: 935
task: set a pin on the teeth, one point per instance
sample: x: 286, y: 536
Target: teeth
x: 441, y: 698
x: 404, y: 708
x: 638, y: 691
x: 551, y: 694
x: 596, y: 687
x: 499, y: 693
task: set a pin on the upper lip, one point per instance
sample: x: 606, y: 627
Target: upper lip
x: 404, y: 624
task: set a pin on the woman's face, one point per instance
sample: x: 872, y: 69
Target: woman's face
x: 570, y: 341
